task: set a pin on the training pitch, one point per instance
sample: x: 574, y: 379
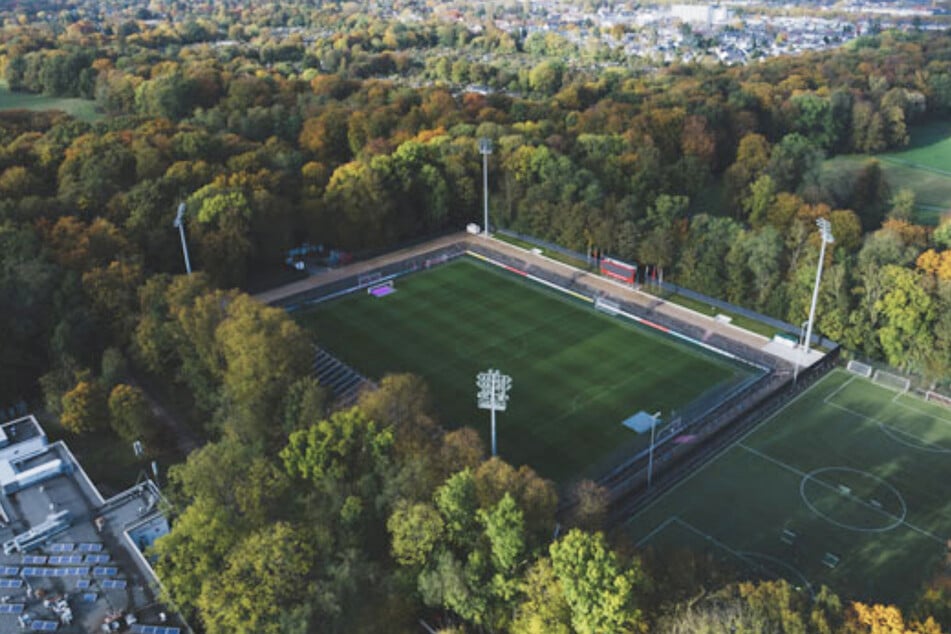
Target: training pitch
x: 577, y: 373
x: 846, y: 486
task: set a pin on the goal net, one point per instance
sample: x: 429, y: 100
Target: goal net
x: 892, y: 381
x: 856, y: 367
x: 608, y: 306
x: 381, y: 290
x: 937, y: 397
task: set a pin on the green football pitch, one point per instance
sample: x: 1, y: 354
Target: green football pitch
x: 846, y: 487
x: 577, y: 374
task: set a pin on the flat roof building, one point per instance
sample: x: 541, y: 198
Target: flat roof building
x: 72, y: 561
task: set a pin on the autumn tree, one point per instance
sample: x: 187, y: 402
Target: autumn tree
x: 85, y: 408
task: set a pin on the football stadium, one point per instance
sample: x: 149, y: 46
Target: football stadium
x: 589, y: 382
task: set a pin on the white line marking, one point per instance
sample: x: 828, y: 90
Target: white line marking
x: 831, y: 396
x: 719, y: 454
x: 803, y: 474
x: 657, y: 529
x: 924, y: 445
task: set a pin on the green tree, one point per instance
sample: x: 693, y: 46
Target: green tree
x: 270, y: 571
x: 130, y: 414
x: 908, y: 313
x: 197, y: 549
x: 600, y: 593
x: 544, y: 609
x: 415, y: 530
x: 264, y: 352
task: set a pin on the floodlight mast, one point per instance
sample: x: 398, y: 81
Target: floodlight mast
x: 485, y: 148
x: 825, y: 232
x: 180, y: 224
x: 493, y: 395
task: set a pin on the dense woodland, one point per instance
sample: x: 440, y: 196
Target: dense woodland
x: 294, y: 518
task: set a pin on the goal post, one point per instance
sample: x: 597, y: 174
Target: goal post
x: 891, y: 381
x: 382, y: 289
x: 857, y: 367
x: 938, y: 397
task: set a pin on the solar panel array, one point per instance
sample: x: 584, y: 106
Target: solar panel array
x: 62, y: 548
x: 97, y: 559
x: 9, y: 570
x: 34, y: 560
x: 80, y: 571
x: 60, y: 560
x: 45, y: 626
x: 104, y: 571
x: 138, y: 628
x: 82, y: 584
x: 90, y: 548
x: 113, y: 584
x: 11, y: 608
x: 11, y: 583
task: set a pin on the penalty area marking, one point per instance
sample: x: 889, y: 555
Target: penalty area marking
x: 751, y: 558
x: 919, y: 443
x: 779, y: 562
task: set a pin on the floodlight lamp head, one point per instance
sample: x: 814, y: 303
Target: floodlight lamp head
x: 180, y: 216
x: 825, y: 230
x: 485, y: 145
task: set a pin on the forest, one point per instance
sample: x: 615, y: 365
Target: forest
x: 293, y: 518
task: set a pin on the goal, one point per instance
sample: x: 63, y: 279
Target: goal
x: 938, y: 397
x: 381, y: 290
x: 892, y: 381
x: 607, y: 306
x: 857, y: 367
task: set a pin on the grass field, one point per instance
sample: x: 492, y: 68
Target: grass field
x: 577, y: 374
x: 856, y: 474
x: 925, y: 167
x: 80, y: 108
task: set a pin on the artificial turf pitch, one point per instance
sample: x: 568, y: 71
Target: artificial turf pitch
x: 576, y: 373
x: 850, y: 469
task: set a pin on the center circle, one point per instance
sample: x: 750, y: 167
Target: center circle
x: 829, y: 481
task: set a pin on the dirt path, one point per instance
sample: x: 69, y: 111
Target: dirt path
x: 185, y: 438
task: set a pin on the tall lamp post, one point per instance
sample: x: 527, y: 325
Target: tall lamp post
x: 493, y: 395
x: 825, y: 232
x: 485, y: 148
x: 180, y: 225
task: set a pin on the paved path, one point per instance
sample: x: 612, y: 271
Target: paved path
x: 315, y: 281
x: 185, y: 439
x: 651, y: 303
